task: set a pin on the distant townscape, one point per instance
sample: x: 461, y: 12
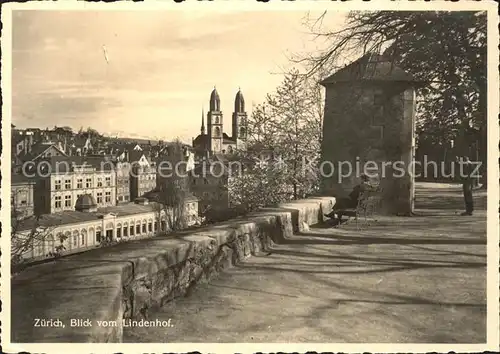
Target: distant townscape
x: 78, y: 190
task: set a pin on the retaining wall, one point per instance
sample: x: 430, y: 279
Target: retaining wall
x: 131, y: 280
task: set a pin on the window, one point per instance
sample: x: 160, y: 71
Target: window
x: 125, y: 197
x: 99, y: 182
x: 108, y: 197
x: 79, y: 183
x: 67, y: 201
x: 156, y: 226
x: 98, y: 236
x: 131, y: 230
x: 144, y: 228
x: 99, y: 198
x: 205, y: 180
x: 88, y: 183
x: 120, y: 198
x: 75, y: 240
x: 125, y: 231
x: 138, y: 229
x: 58, y: 203
x: 150, y: 227
x: 67, y: 184
x: 57, y: 184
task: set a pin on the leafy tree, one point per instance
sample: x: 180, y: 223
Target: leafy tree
x: 261, y: 182
x: 451, y: 102
x: 289, y: 123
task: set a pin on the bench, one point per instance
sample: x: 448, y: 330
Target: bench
x: 367, y: 202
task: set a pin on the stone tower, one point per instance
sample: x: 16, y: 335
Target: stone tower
x: 239, y: 121
x: 214, y: 123
x: 369, y: 127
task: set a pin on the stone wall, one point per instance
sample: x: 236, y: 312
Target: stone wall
x: 131, y: 280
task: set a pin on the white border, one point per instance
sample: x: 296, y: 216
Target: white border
x: 273, y: 5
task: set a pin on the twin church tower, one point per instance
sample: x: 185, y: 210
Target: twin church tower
x: 213, y: 140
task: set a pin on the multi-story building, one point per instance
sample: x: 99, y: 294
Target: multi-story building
x: 89, y: 226
x: 122, y: 182
x: 60, y: 181
x: 22, y: 199
x: 142, y: 174
x: 209, y: 183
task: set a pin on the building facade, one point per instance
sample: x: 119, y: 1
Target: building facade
x: 88, y: 226
x: 62, y: 181
x: 209, y: 183
x: 142, y: 179
x: 123, y: 171
x: 22, y: 196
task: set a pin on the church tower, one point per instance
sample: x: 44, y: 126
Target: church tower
x: 214, y: 123
x: 202, y: 130
x: 239, y: 121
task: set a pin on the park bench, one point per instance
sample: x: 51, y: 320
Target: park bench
x: 368, y: 201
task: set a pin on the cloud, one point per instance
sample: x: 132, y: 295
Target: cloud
x: 162, y: 65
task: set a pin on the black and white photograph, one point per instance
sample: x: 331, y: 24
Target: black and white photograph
x: 228, y: 176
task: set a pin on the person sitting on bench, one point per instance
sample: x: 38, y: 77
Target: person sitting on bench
x: 350, y: 202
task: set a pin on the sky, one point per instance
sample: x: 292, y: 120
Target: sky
x: 148, y: 73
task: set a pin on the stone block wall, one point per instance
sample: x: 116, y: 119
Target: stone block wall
x: 131, y: 280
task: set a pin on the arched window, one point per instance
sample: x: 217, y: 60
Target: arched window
x: 60, y: 237
x: 83, y: 237
x: 75, y: 239
x: 217, y: 132
x: 51, y: 243
x: 242, y: 132
x: 217, y: 121
x: 98, y: 234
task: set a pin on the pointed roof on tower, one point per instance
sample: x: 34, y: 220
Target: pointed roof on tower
x: 239, y: 102
x: 214, y: 100
x: 202, y: 121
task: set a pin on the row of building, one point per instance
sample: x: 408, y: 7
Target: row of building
x: 91, y: 191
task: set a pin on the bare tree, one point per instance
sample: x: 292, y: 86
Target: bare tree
x: 452, y: 96
x: 30, y: 232
x: 173, y: 188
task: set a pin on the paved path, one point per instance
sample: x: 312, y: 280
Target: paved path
x: 419, y: 279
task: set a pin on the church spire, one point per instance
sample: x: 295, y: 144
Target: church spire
x: 202, y: 121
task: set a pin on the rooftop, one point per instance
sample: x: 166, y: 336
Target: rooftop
x: 76, y: 217
x: 21, y: 179
x: 370, y: 67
